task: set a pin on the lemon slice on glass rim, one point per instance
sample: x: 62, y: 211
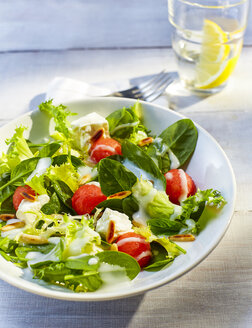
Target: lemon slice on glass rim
x: 215, y: 66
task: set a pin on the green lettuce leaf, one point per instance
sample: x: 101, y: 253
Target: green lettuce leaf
x: 80, y: 238
x: 193, y: 206
x: 65, y: 172
x: 37, y: 183
x: 126, y: 123
x: 59, y: 115
x: 18, y: 149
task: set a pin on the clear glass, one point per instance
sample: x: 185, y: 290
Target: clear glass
x: 207, y: 40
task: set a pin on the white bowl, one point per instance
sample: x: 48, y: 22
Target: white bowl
x: 209, y: 167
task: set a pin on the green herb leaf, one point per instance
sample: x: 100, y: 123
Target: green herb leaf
x: 181, y: 138
x: 82, y: 263
x: 114, y: 177
x: 123, y: 260
x: 61, y: 159
x: 144, y: 162
x: 162, y: 226
x: 49, y: 150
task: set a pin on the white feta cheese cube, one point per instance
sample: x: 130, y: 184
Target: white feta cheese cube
x: 26, y: 206
x: 85, y: 127
x: 122, y: 223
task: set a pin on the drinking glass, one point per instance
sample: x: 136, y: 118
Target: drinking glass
x: 207, y: 40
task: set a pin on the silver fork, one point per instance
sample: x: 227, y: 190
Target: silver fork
x: 148, y: 90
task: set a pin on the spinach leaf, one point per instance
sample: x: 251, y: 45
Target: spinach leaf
x: 19, y: 174
x: 64, y: 193
x: 163, y: 226
x: 122, y: 123
x: 181, y: 138
x: 159, y: 257
x: 159, y: 156
x: 129, y: 206
x: 144, y: 162
x: 61, y: 159
x: 82, y: 263
x: 53, y: 206
x: 7, y: 204
x: 22, y: 171
x: 114, y: 204
x: 22, y: 251
x: 6, y: 193
x: 5, y: 177
x: 114, y: 177
x: 49, y: 150
x: 123, y: 260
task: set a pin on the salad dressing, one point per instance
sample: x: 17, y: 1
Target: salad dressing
x: 140, y: 174
x: 43, y: 164
x: 125, y: 125
x: 174, y: 160
x: 112, y: 276
x: 184, y: 186
x: 141, y: 217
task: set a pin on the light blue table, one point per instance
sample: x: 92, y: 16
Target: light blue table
x: 96, y: 41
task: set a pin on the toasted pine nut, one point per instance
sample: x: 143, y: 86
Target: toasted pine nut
x: 111, y: 232
x: 6, y: 217
x: 120, y: 195
x: 145, y: 141
x: 114, y: 247
x: 32, y: 239
x: 27, y: 196
x: 98, y: 134
x: 183, y: 238
x: 137, y: 224
x: 12, y: 226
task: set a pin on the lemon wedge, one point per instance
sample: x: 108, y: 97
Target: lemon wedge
x: 215, y: 61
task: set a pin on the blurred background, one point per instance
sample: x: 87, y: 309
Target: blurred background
x: 89, y: 40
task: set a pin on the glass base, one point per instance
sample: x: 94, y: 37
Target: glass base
x: 201, y: 91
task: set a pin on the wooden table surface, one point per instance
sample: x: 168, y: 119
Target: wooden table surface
x: 107, y: 40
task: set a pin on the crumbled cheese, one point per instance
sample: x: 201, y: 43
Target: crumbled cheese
x: 85, y: 127
x: 121, y: 221
x: 25, y: 207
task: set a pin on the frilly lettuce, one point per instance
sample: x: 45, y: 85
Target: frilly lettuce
x: 37, y: 184
x: 80, y: 238
x: 155, y: 203
x: 18, y: 149
x: 59, y: 115
x: 65, y: 172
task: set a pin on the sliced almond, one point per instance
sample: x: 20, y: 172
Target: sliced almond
x: 32, y: 239
x: 120, y: 195
x: 187, y: 237
x: 114, y: 247
x: 85, y: 179
x: 6, y: 217
x: 12, y: 226
x: 145, y: 141
x: 137, y: 224
x: 98, y: 134
x: 27, y: 196
x: 110, y: 232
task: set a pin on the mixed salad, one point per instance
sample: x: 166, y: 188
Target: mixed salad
x: 100, y: 199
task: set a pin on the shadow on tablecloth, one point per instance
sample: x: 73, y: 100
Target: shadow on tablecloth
x: 20, y: 309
